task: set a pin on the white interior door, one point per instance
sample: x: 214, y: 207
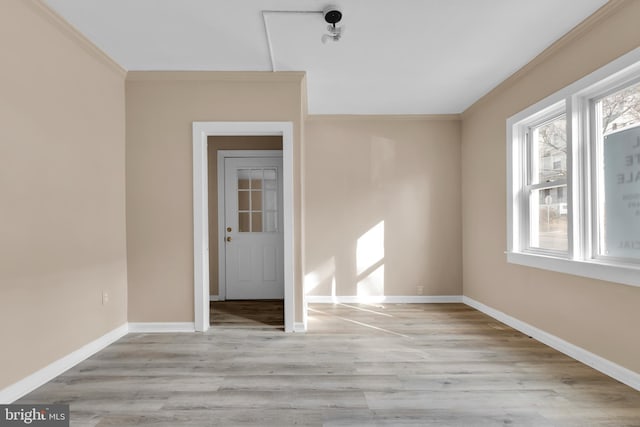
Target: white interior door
x: 254, y: 238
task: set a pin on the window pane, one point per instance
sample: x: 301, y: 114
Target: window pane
x: 243, y: 179
x: 243, y: 222
x: 618, y: 195
x: 549, y: 143
x: 270, y: 179
x: 618, y: 173
x: 620, y: 110
x: 270, y: 222
x: 256, y: 222
x: 256, y: 179
x: 256, y: 200
x: 270, y: 200
x: 243, y: 200
x: 548, y: 216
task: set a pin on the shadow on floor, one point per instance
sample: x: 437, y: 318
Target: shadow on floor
x: 251, y: 314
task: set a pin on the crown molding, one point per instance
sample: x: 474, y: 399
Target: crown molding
x: 232, y: 76
x: 42, y: 9
x: 379, y: 117
x: 578, y: 31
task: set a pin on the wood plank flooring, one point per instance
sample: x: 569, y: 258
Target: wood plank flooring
x: 359, y: 365
x: 265, y: 314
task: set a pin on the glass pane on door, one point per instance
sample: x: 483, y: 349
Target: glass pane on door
x: 244, y: 226
x: 257, y: 200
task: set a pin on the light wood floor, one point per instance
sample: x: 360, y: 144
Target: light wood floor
x: 391, y: 364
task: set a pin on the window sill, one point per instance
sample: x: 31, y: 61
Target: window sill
x: 593, y: 269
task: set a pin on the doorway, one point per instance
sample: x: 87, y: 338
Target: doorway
x: 248, y: 315
x: 201, y: 132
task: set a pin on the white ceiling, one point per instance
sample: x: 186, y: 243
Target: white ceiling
x: 395, y: 57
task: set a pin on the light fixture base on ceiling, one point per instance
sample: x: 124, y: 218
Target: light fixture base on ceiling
x: 331, y: 15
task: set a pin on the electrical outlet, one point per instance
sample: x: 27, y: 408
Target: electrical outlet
x: 105, y: 297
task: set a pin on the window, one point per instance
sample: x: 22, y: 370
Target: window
x: 574, y: 177
x: 617, y: 164
x: 546, y: 176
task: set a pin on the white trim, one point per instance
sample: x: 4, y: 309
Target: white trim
x: 222, y: 247
x: 161, y: 327
x: 389, y: 299
x: 42, y: 376
x: 200, y: 229
x: 201, y: 132
x: 305, y: 313
x: 580, y: 260
x: 222, y: 270
x: 607, y: 367
x: 299, y: 327
x: 603, y: 74
x: 215, y: 298
x: 593, y: 269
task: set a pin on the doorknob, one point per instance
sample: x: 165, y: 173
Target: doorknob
x: 228, y: 229
x: 228, y: 238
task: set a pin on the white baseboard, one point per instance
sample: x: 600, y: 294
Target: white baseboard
x: 607, y: 367
x: 161, y: 327
x: 390, y: 299
x: 299, y: 327
x: 28, y: 384
x: 214, y: 298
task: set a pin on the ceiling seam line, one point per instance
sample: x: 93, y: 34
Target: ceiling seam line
x: 266, y: 31
x: 268, y: 35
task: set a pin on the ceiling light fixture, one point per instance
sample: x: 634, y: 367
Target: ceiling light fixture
x: 331, y: 15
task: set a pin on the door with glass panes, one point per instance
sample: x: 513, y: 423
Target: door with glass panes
x: 254, y: 238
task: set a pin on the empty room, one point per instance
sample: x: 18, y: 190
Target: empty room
x: 360, y: 212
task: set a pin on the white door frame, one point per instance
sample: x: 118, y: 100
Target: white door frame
x: 201, y: 132
x: 222, y: 247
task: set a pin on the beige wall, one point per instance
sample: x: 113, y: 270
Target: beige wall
x: 214, y: 144
x: 161, y: 107
x: 62, y: 215
x: 598, y: 316
x: 400, y: 174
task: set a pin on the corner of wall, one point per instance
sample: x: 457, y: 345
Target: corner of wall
x: 70, y: 31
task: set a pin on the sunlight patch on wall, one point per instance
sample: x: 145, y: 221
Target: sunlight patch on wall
x: 372, y: 284
x: 370, y: 248
x: 322, y: 273
x: 333, y: 289
x: 370, y: 262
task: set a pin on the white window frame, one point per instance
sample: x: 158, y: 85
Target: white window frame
x: 526, y: 185
x: 576, y: 101
x: 592, y: 96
